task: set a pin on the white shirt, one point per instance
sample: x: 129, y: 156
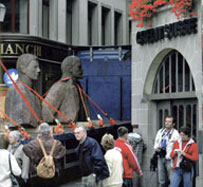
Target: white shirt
x: 173, y: 136
x: 5, y: 180
x: 114, y: 161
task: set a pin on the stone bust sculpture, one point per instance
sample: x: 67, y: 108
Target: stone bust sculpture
x: 64, y: 95
x: 15, y: 106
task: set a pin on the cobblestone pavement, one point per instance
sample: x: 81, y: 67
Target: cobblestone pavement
x: 75, y: 183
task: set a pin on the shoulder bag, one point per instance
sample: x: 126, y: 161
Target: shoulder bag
x: 14, y: 180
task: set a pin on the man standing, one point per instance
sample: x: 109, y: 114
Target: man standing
x: 92, y: 163
x: 164, y: 140
x: 130, y: 162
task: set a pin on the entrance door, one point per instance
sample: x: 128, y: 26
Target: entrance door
x: 184, y: 112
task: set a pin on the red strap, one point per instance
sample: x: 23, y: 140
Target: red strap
x: 112, y: 121
x: 59, y: 128
x: 44, y: 100
x: 83, y: 102
x: 23, y: 132
x: 20, y: 92
x: 9, y: 118
x: 92, y: 101
x: 63, y: 79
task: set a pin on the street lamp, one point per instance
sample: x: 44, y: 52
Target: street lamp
x: 2, y: 12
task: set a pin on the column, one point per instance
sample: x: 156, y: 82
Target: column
x: 83, y: 22
x: 53, y: 20
x: 62, y: 21
x: 36, y: 18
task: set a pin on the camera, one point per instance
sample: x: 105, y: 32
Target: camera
x: 161, y: 152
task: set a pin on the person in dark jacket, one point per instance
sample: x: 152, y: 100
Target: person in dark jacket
x: 34, y: 152
x: 92, y: 163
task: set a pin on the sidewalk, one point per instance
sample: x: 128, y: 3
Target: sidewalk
x: 75, y: 183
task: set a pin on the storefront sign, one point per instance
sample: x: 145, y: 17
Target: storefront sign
x: 180, y: 28
x: 14, y: 46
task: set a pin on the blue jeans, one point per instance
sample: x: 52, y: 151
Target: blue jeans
x: 164, y: 172
x: 128, y: 182
x: 179, y: 174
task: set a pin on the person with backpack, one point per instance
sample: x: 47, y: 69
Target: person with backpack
x: 163, y: 144
x: 184, y: 154
x: 35, y: 153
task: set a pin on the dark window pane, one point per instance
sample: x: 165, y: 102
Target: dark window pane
x: 166, y: 113
x: 187, y: 78
x: 181, y: 116
x: 180, y: 73
x: 155, y: 87
x: 69, y: 22
x: 193, y: 85
x: 6, y: 25
x: 16, y: 17
x: 174, y: 114
x: 173, y: 72
x: 188, y: 116
x: 45, y: 18
x: 160, y: 119
x: 167, y: 75
x: 161, y: 80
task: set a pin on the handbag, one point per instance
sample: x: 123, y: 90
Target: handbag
x: 14, y: 180
x: 186, y: 164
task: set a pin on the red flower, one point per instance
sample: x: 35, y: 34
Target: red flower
x: 141, y: 9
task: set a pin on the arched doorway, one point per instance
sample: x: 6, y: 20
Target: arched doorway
x: 174, y: 92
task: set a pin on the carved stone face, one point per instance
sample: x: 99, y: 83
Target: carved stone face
x: 32, y: 70
x: 77, y: 70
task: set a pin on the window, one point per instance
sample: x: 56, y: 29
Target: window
x: 173, y: 75
x: 106, y: 26
x: 45, y: 18
x: 185, y: 114
x: 69, y: 18
x: 118, y: 28
x: 92, y: 23
x: 17, y: 16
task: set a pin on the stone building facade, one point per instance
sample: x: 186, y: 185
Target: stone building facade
x: 167, y: 79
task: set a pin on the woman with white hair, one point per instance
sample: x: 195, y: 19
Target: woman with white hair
x: 15, y: 148
x: 114, y: 161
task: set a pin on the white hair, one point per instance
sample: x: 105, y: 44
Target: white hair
x: 44, y: 128
x: 15, y: 134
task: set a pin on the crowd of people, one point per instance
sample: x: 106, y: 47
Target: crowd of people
x: 112, y: 166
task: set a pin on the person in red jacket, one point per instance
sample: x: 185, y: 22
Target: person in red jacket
x: 184, y: 154
x: 130, y: 162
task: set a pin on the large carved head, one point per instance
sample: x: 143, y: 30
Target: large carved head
x: 72, y: 65
x: 28, y: 65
